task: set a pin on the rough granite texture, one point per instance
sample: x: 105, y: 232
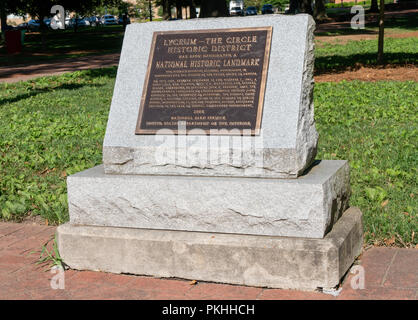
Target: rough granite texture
x: 288, y: 141
x: 276, y: 262
x: 304, y: 207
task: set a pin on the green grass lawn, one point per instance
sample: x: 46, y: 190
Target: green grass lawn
x: 374, y: 125
x: 54, y: 126
x: 336, y: 57
x: 50, y: 128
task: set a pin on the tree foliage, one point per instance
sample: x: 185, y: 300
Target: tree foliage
x: 259, y: 3
x: 39, y: 9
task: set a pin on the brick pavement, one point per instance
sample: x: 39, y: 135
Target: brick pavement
x: 390, y: 273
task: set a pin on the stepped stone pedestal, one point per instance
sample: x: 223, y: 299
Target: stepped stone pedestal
x: 303, y: 207
x: 252, y: 208
x: 262, y: 261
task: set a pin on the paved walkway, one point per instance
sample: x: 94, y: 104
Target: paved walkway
x: 26, y: 72
x: 390, y: 273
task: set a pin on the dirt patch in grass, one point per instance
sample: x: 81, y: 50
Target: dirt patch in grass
x: 396, y: 73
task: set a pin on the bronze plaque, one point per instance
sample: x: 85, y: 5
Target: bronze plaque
x: 206, y: 79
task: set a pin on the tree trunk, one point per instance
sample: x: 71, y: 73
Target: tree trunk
x: 213, y: 8
x: 124, y: 21
x: 306, y: 7
x: 192, y: 10
x: 75, y: 21
x: 3, y: 18
x: 42, y: 26
x: 166, y: 10
x: 374, y: 7
x: 150, y: 10
x: 380, y: 57
x: 293, y: 6
x: 179, y: 10
x: 320, y: 12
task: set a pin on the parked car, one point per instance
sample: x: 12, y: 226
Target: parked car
x: 22, y: 26
x: 84, y: 22
x: 47, y: 22
x: 236, y: 11
x: 79, y: 21
x: 120, y: 20
x: 94, y: 21
x: 251, y: 11
x: 108, y: 19
x: 34, y: 24
x: 267, y: 9
x: 54, y: 23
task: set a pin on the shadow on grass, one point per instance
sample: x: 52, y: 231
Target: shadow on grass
x: 88, y: 77
x: 337, y: 63
x: 102, y: 72
x: 408, y: 21
x: 345, y: 32
x: 35, y: 92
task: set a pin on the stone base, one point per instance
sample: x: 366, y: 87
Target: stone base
x: 304, y: 207
x: 264, y: 261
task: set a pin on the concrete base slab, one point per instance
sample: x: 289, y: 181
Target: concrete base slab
x: 304, y: 207
x: 264, y: 261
